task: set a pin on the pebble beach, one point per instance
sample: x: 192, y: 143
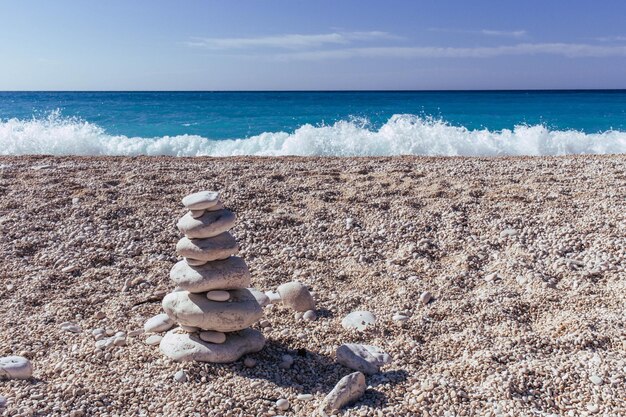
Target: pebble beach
x: 497, y: 285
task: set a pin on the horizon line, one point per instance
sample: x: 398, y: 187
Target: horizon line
x: 325, y: 90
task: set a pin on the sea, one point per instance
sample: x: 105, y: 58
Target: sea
x: 324, y: 123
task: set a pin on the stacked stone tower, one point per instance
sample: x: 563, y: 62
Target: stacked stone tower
x: 211, y: 302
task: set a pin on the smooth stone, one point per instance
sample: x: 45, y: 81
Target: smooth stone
x: 70, y: 327
x: 210, y: 224
x: 3, y: 402
x: 400, y: 318
x: 227, y: 274
x: 425, y: 297
x: 98, y: 331
x: 196, y: 213
x: 180, y: 376
x: 249, y: 363
x: 189, y: 347
x: 349, y: 389
x: 296, y: 296
x: 274, y: 297
x: 218, y: 295
x: 358, y: 320
x: 15, y: 367
x: 159, y: 323
x: 213, y: 249
x: 188, y: 309
x: 286, y: 362
x: 260, y: 296
x: 201, y: 200
x: 282, y: 404
x: 365, y: 358
x: 309, y: 315
x: 155, y: 339
x: 304, y: 397
x: 194, y: 262
x: 212, y: 337
x: 596, y: 379
x: 119, y: 341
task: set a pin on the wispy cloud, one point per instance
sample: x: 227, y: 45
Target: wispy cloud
x: 290, y: 41
x: 486, y: 32
x: 569, y: 50
x: 618, y: 38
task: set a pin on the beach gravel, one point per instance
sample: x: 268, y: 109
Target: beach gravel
x: 523, y: 260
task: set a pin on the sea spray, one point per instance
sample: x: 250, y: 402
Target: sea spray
x: 402, y: 134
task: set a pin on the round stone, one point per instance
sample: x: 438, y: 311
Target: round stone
x: 425, y: 297
x: 155, y: 339
x: 282, y: 404
x: 274, y: 297
x: 309, y: 315
x: 210, y: 224
x: 365, y: 358
x: 218, y: 295
x: 358, y: 320
x: 181, y: 346
x: 201, y: 200
x: 212, y: 337
x: 227, y: 274
x: 196, y: 310
x: 249, y: 363
x: 159, y: 323
x: 219, y: 247
x: 296, y: 296
x: 15, y: 367
x: 180, y: 376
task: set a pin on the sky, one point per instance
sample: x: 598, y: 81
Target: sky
x: 312, y: 45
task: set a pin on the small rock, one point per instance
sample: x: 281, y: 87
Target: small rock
x: 296, y: 296
x: 249, y: 363
x: 212, y: 337
x: 282, y: 404
x: 425, y: 297
x: 508, y: 233
x: 400, y: 318
x: 593, y: 408
x: 70, y: 327
x: 365, y: 358
x: 261, y: 297
x: 309, y: 315
x: 153, y: 340
x: 159, y: 323
x: 135, y: 333
x: 69, y: 269
x: 218, y: 295
x: 15, y: 367
x: 265, y: 323
x: 273, y: 297
x: 197, y: 213
x: 3, y: 402
x: 100, y: 315
x: 286, y: 362
x: 349, y: 389
x: 180, y: 376
x: 304, y: 397
x: 596, y: 379
x: 358, y: 320
x: 77, y: 413
x: 97, y: 332
x: 119, y: 341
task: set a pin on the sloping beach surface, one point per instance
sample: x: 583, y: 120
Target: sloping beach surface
x: 525, y: 258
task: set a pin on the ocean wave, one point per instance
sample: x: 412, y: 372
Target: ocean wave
x: 400, y: 135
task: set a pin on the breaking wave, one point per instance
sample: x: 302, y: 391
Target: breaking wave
x: 401, y: 135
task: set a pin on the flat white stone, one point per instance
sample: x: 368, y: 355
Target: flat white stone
x: 296, y: 296
x: 159, y: 323
x: 365, y: 358
x: 15, y: 367
x: 212, y: 337
x: 309, y: 315
x: 180, y: 376
x: 227, y: 274
x: 349, y: 389
x: 182, y: 347
x: 218, y: 295
x: 212, y: 249
x: 358, y: 320
x: 155, y: 339
x: 194, y: 262
x: 201, y: 200
x: 210, y: 224
x: 282, y: 404
x: 70, y: 327
x: 188, y: 309
x: 274, y: 297
x: 425, y: 297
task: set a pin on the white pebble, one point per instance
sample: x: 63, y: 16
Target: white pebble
x: 309, y: 315
x: 425, y: 297
x: 282, y: 404
x: 180, y: 376
x: 218, y: 295
x: 155, y: 339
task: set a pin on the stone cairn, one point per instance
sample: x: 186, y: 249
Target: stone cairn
x: 212, y: 302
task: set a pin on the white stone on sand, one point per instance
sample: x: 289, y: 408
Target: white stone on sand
x: 365, y: 358
x: 425, y: 297
x: 201, y: 200
x: 282, y: 404
x: 15, y: 367
x: 296, y: 296
x: 359, y: 320
x: 155, y: 339
x: 180, y: 376
x: 349, y: 389
x: 159, y: 323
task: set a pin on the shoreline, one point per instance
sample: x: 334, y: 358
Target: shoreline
x: 524, y: 256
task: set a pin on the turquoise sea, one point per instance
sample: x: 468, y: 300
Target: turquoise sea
x: 313, y: 123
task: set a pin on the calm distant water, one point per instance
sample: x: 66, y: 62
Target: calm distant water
x: 313, y: 123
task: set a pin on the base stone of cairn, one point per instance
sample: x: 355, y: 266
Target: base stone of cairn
x: 211, y: 303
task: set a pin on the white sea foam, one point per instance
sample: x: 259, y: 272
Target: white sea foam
x: 401, y: 135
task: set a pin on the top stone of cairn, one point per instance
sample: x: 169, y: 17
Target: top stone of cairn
x: 201, y: 200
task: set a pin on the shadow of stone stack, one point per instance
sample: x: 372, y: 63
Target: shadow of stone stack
x: 211, y: 303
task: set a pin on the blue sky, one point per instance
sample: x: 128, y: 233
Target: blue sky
x: 311, y: 45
